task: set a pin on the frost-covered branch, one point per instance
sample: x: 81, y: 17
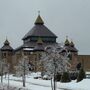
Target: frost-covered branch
x: 55, y: 61
x: 23, y: 68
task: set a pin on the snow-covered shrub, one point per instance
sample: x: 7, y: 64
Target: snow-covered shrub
x: 46, y: 77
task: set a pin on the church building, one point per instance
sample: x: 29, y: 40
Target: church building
x: 34, y: 43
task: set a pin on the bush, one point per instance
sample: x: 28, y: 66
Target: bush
x: 35, y: 77
x: 58, y: 77
x: 65, y: 77
x: 46, y: 77
x: 73, y: 75
x: 81, y: 75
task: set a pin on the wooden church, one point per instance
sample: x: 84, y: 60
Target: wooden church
x: 34, y: 43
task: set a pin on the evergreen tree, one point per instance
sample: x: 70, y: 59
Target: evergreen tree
x: 81, y: 75
x: 65, y: 77
x: 58, y: 77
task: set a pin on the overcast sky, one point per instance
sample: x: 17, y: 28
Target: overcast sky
x: 63, y: 17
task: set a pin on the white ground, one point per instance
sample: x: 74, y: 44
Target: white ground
x: 38, y: 84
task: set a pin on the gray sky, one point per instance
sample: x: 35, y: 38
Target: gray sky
x: 63, y: 17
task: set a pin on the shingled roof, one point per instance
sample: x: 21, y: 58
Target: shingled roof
x: 70, y: 45
x: 6, y: 46
x: 39, y: 30
x: 39, y: 46
x: 70, y: 48
x: 66, y: 43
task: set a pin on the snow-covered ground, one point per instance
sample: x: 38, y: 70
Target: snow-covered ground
x: 39, y: 84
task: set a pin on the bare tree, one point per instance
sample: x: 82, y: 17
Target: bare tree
x: 55, y: 62
x: 3, y: 68
x: 22, y: 69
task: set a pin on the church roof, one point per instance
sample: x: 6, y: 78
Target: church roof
x: 39, y: 41
x: 39, y: 20
x: 6, y: 46
x: 71, y: 44
x: 32, y: 45
x: 72, y: 49
x: 39, y: 30
x: 66, y: 43
x: 39, y: 46
x: 6, y: 42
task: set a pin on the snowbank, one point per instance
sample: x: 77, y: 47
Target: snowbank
x: 39, y: 84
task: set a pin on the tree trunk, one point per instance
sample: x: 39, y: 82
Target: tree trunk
x: 24, y: 75
x: 2, y: 74
x: 51, y: 84
x: 23, y: 81
x: 1, y: 78
x: 54, y: 83
x: 8, y: 80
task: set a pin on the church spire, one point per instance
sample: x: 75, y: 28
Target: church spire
x: 39, y: 19
x: 6, y: 42
x: 67, y: 43
x: 71, y: 44
x: 6, y: 46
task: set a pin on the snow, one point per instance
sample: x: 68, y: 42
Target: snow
x: 39, y: 84
x: 28, y: 49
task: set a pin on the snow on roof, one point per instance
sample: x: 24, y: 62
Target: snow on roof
x: 28, y: 49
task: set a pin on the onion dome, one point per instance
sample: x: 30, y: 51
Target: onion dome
x: 72, y: 47
x: 39, y: 20
x: 66, y: 43
x: 71, y: 44
x: 39, y: 30
x: 6, y: 42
